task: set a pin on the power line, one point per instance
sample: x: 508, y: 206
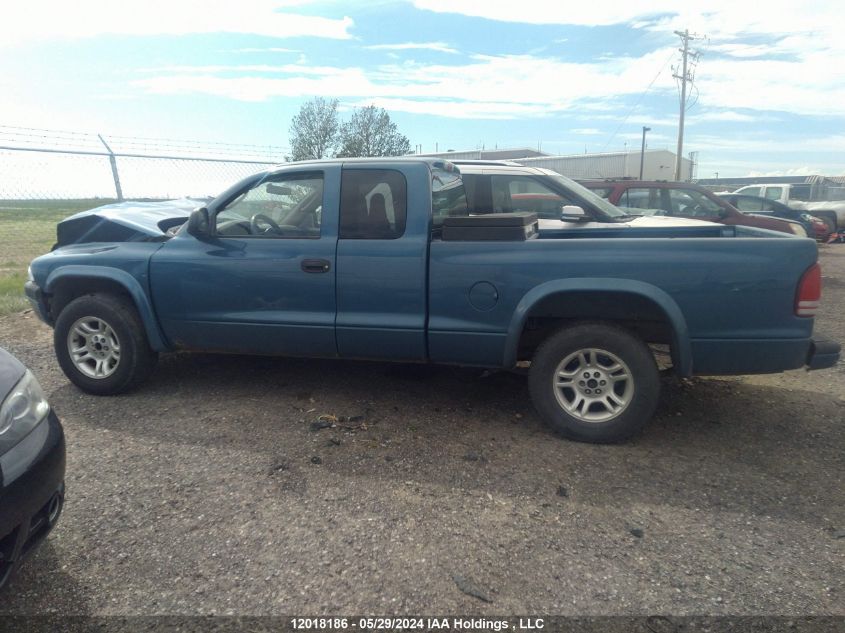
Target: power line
x: 639, y: 100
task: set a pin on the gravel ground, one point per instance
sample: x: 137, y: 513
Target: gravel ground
x: 209, y: 492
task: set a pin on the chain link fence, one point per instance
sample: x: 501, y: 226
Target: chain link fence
x: 40, y: 185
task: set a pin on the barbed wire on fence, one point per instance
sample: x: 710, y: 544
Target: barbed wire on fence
x: 37, y: 163
x: 71, y: 139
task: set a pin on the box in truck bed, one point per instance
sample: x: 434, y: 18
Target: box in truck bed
x: 493, y: 226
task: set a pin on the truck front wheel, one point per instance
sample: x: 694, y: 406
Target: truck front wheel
x: 101, y: 344
x: 594, y: 383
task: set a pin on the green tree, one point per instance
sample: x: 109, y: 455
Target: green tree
x: 314, y: 131
x: 370, y: 132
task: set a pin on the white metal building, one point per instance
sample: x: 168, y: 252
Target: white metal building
x: 659, y: 164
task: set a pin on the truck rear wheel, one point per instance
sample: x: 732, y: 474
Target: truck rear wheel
x: 101, y: 344
x: 594, y: 383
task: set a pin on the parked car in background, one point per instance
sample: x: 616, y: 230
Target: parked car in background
x: 682, y: 200
x: 814, y: 226
x: 32, y: 465
x: 823, y: 202
x: 508, y: 187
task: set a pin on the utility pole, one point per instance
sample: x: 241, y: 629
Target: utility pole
x: 684, y: 78
x: 642, y: 151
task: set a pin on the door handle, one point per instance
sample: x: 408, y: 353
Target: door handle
x: 316, y: 265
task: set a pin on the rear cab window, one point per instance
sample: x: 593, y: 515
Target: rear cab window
x: 373, y: 204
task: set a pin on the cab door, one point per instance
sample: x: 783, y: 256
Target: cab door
x: 263, y: 280
x: 382, y: 259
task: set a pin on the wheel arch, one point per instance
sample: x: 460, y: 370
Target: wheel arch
x: 583, y: 299
x: 836, y: 217
x: 70, y: 282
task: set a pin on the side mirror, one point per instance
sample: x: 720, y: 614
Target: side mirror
x: 198, y: 223
x: 572, y: 213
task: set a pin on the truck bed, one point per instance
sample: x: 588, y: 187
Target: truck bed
x: 728, y: 295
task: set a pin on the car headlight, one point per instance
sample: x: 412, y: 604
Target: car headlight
x: 29, y: 275
x: 21, y: 411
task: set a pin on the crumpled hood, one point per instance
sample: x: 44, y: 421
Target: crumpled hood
x: 126, y: 221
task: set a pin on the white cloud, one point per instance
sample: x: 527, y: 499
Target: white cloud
x: 742, y: 50
x: 804, y: 170
x: 272, y: 49
x: 519, y: 85
x: 430, y: 46
x: 832, y: 144
x: 464, y: 109
x: 791, y: 71
x: 780, y: 57
x: 59, y: 19
x: 586, y: 131
x: 597, y: 12
x: 774, y: 166
x: 240, y: 69
x: 725, y: 115
x: 511, y: 86
x: 715, y: 17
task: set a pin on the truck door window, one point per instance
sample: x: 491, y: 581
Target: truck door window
x: 749, y: 204
x: 645, y: 200
x: 373, y: 204
x: 773, y: 193
x: 514, y: 194
x: 804, y: 192
x: 750, y: 191
x: 280, y: 206
x: 691, y: 203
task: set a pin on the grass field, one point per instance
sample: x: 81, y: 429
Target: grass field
x: 27, y: 230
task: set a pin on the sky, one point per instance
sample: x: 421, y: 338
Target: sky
x: 768, y: 94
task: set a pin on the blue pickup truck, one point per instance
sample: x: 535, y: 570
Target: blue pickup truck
x: 423, y: 260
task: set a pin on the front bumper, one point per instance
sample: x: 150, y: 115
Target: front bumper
x: 31, y: 492
x: 823, y: 353
x: 36, y: 299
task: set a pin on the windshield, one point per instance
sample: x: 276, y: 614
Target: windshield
x: 588, y: 196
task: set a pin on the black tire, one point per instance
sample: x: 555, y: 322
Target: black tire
x: 637, y: 362
x: 136, y: 359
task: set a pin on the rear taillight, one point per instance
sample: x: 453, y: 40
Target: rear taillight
x: 809, y: 292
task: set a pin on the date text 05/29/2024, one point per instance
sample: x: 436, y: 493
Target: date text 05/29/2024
x: 415, y: 624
